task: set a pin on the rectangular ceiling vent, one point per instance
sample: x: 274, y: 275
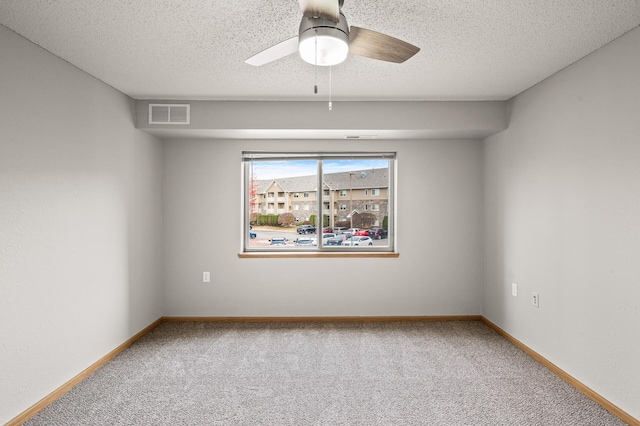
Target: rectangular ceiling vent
x: 169, y: 113
x: 360, y: 136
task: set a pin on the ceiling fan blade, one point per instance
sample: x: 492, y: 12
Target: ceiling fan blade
x: 375, y: 45
x: 280, y: 50
x: 326, y: 9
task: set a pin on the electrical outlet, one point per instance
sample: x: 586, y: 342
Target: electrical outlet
x: 535, y: 299
x: 514, y: 290
x: 206, y: 277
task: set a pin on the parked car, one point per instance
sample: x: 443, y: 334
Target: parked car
x: 339, y: 229
x: 305, y: 242
x: 306, y: 229
x: 357, y: 240
x: 328, y: 229
x: 377, y: 233
x: 325, y: 238
x: 362, y: 233
x: 278, y: 241
x: 335, y: 241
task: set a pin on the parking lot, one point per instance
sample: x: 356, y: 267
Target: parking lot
x: 264, y: 235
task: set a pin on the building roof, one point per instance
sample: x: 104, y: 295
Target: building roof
x: 357, y: 179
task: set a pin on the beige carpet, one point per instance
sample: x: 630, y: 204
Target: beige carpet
x: 410, y: 373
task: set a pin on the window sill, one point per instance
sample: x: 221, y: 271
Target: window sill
x: 291, y: 255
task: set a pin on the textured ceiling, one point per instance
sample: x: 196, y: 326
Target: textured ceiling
x: 195, y: 49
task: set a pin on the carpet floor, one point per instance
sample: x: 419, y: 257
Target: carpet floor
x: 388, y: 373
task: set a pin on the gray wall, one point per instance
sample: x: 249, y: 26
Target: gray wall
x: 562, y: 217
x: 439, y: 238
x: 80, y: 223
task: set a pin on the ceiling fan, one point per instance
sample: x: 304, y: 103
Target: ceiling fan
x: 325, y: 39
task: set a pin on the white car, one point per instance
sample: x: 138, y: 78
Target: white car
x: 325, y: 238
x: 278, y: 241
x: 305, y: 242
x: 358, y: 241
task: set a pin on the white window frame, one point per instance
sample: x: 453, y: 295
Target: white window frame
x: 250, y: 156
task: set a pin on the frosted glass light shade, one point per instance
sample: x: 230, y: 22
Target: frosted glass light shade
x: 332, y: 46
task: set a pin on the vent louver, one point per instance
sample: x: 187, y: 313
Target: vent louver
x: 169, y: 113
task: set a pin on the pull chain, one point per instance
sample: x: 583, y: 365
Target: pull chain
x: 315, y: 77
x: 330, y: 104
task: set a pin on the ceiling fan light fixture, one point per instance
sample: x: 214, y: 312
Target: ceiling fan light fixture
x: 332, y: 41
x: 326, y: 39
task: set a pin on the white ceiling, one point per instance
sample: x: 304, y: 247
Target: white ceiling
x: 195, y: 49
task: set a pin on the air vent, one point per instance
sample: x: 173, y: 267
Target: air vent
x: 169, y: 113
x: 360, y: 136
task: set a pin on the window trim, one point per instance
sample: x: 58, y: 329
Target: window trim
x: 319, y: 251
x: 311, y: 254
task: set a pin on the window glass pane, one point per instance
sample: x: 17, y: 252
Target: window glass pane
x: 276, y: 222
x: 355, y: 178
x: 289, y: 205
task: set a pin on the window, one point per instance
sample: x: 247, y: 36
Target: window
x: 348, y: 176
